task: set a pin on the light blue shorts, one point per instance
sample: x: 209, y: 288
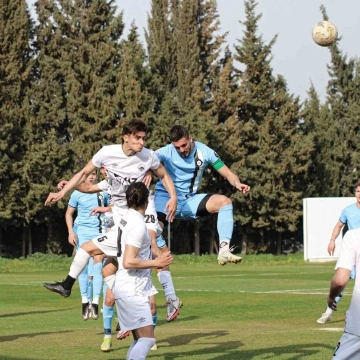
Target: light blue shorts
x: 186, y: 207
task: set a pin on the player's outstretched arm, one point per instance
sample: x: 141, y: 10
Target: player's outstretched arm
x: 69, y: 218
x: 77, y: 179
x: 170, y: 188
x: 331, y: 247
x: 233, y: 179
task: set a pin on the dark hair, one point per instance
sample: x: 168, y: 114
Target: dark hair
x: 178, y: 132
x: 137, y: 195
x: 356, y: 185
x: 134, y: 126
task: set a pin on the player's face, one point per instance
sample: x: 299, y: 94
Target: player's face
x: 135, y: 142
x: 91, y: 178
x: 183, y: 146
x: 103, y: 173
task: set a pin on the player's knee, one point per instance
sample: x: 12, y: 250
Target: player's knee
x: 224, y: 200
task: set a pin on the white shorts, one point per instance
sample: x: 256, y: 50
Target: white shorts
x: 348, y: 347
x: 107, y: 243
x: 133, y: 312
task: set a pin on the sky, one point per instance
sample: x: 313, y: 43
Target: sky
x: 295, y: 55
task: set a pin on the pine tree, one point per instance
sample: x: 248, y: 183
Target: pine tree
x: 16, y: 32
x: 265, y: 146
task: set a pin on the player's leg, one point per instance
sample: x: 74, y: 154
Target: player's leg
x: 347, y: 348
x: 130, y: 310
x: 104, y: 244
x: 206, y: 204
x: 164, y: 275
x: 154, y: 315
x: 108, y: 314
x: 97, y: 285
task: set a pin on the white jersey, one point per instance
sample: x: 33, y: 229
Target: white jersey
x: 350, y: 257
x: 130, y: 282
x: 123, y: 170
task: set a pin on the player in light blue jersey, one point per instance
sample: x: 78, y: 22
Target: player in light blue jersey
x: 350, y: 216
x: 185, y: 161
x: 86, y: 227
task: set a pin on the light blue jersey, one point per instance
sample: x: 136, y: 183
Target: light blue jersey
x: 85, y: 223
x: 351, y: 216
x: 186, y: 173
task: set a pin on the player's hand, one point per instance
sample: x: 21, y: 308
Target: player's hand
x: 53, y: 198
x: 99, y: 210
x: 61, y: 184
x: 331, y: 303
x: 170, y: 209
x: 331, y: 247
x: 242, y: 187
x: 72, y: 238
x: 164, y: 259
x: 147, y: 179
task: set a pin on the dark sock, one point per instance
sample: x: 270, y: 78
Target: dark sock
x: 107, y: 331
x: 68, y: 283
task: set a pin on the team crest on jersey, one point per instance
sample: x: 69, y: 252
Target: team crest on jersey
x: 199, y: 162
x: 123, y: 222
x: 114, y: 164
x: 141, y: 167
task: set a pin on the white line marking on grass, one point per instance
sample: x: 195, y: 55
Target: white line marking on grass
x: 331, y: 329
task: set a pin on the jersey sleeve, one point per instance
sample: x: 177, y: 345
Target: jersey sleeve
x: 74, y: 200
x: 347, y: 258
x: 97, y: 159
x: 103, y: 185
x: 160, y: 153
x: 343, y: 216
x: 214, y: 159
x: 136, y: 236
x: 155, y: 161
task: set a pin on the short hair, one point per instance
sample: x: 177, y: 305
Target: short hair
x: 137, y: 195
x: 178, y: 132
x: 356, y: 185
x: 134, y: 126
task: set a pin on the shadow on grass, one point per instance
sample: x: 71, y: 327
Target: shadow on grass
x: 32, y: 313
x: 27, y: 335
x: 232, y: 350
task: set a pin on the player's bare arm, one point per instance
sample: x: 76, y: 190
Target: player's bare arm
x: 69, y: 219
x: 338, y: 284
x: 170, y: 207
x: 147, y: 179
x: 233, y: 179
x: 101, y: 210
x: 76, y: 180
x: 131, y: 261
x: 331, y: 247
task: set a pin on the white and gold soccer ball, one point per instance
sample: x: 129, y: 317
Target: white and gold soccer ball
x: 324, y: 33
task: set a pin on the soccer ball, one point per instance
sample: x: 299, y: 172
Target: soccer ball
x: 324, y: 33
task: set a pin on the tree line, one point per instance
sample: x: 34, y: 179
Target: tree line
x: 71, y: 79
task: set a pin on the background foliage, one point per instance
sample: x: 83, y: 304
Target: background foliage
x: 70, y: 80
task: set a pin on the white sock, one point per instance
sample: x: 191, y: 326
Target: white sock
x: 141, y: 348
x: 224, y: 245
x: 328, y: 311
x: 95, y: 301
x: 78, y: 265
x: 167, y: 284
x: 84, y: 299
x: 130, y: 348
x: 110, y: 281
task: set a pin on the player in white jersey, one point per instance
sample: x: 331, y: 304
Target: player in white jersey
x: 133, y: 284
x: 349, y: 344
x: 125, y: 164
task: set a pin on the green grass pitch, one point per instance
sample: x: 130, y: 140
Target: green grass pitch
x: 246, y: 311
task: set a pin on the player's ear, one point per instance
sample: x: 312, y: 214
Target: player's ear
x: 190, y: 138
x: 126, y: 138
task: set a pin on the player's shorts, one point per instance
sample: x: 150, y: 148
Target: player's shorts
x: 107, y: 243
x: 348, y: 347
x: 187, y: 208
x: 134, y: 312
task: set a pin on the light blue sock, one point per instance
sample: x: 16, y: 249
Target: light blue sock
x: 155, y: 318
x: 83, y: 283
x: 97, y: 282
x: 90, y: 289
x: 225, y: 223
x: 108, y: 314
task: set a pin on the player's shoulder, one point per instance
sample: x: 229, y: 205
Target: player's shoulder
x: 202, y: 146
x: 350, y: 207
